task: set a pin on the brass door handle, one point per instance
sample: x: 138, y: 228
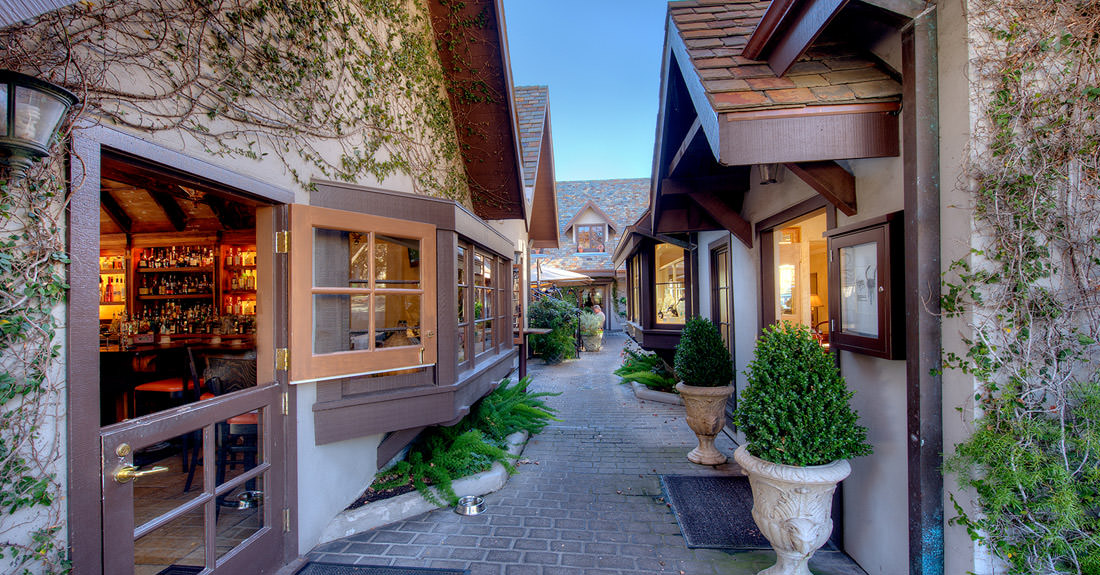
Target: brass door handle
x: 128, y: 473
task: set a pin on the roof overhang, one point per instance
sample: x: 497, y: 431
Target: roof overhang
x: 543, y: 219
x: 475, y: 61
x: 12, y: 11
x: 705, y: 147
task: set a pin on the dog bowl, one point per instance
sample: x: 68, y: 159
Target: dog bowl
x: 470, y: 505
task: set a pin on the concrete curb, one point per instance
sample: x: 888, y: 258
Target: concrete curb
x: 643, y: 392
x: 394, y: 509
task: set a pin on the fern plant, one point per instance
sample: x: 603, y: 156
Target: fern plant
x: 442, y: 454
x: 646, y: 369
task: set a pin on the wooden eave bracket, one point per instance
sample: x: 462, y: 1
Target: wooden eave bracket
x: 715, y: 207
x: 787, y: 29
x: 833, y: 182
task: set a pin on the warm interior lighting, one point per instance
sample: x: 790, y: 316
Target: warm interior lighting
x: 30, y: 112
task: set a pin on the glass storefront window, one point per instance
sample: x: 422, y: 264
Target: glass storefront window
x: 669, y: 274
x: 801, y: 269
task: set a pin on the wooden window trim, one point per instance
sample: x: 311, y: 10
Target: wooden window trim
x: 464, y: 326
x: 765, y: 230
x: 577, y: 235
x: 308, y: 366
x: 886, y: 233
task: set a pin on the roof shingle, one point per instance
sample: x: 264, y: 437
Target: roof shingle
x: 831, y: 72
x: 531, y: 104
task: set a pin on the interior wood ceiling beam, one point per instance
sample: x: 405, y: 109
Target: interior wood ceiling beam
x: 115, y: 211
x: 171, y: 209
x: 833, y: 182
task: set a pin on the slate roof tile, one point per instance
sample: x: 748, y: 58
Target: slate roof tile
x: 830, y: 72
x: 531, y: 105
x: 622, y: 200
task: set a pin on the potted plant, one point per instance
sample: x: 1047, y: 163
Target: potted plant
x: 801, y: 431
x: 702, y: 363
x: 592, y: 331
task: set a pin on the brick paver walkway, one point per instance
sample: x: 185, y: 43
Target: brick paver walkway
x: 587, y: 500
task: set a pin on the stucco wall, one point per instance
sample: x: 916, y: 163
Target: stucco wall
x: 957, y: 117
x: 874, y: 513
x: 330, y: 476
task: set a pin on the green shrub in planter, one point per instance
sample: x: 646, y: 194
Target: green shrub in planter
x: 795, y: 410
x: 590, y: 323
x: 561, y: 318
x: 702, y: 358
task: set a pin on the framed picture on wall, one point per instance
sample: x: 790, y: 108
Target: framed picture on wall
x: 866, y: 301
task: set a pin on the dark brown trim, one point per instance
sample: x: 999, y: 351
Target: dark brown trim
x: 153, y: 156
x: 829, y: 179
x: 922, y: 271
x: 82, y: 377
x: 395, y: 442
x: 798, y: 30
x: 800, y: 209
x: 767, y: 29
x: 767, y: 249
x: 809, y: 138
x: 807, y: 111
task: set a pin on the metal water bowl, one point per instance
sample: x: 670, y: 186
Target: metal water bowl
x: 470, y: 505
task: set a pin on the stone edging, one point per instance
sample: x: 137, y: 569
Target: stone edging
x: 643, y: 392
x: 386, y: 511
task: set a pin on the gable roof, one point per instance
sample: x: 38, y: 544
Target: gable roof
x: 532, y: 103
x: 590, y: 205
x: 829, y: 73
x: 537, y: 149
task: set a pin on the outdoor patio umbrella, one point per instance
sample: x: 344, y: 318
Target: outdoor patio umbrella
x: 550, y: 275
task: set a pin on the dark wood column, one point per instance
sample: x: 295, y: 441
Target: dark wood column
x: 920, y: 121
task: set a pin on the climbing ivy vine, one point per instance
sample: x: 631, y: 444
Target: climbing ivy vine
x: 1029, y: 290
x: 349, y: 90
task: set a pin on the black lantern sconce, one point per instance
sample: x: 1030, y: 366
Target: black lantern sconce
x: 30, y: 112
x: 770, y: 173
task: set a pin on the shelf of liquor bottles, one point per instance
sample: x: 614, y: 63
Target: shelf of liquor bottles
x: 177, y: 284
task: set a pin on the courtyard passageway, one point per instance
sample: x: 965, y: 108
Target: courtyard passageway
x: 587, y: 498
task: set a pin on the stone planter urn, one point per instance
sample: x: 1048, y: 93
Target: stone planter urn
x: 706, y: 416
x: 792, y: 507
x: 593, y: 341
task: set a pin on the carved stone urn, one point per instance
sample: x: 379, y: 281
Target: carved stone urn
x: 706, y: 416
x: 792, y: 506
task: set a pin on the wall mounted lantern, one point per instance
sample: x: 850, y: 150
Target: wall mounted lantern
x: 770, y: 173
x: 30, y: 112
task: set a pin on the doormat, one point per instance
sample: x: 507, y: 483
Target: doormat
x: 181, y: 570
x: 313, y: 568
x: 714, y: 512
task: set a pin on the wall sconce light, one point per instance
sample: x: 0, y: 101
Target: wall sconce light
x: 30, y: 112
x: 769, y: 173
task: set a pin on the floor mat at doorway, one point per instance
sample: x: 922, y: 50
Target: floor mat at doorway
x: 181, y: 570
x: 714, y: 512
x: 313, y: 568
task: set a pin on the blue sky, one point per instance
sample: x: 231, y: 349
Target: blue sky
x: 602, y: 62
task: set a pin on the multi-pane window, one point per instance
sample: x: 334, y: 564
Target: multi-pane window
x: 482, y: 302
x: 359, y: 287
x: 635, y: 290
x: 460, y: 302
x: 720, y: 280
x: 485, y: 301
x: 591, y: 238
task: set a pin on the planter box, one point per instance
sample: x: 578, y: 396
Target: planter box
x: 394, y: 509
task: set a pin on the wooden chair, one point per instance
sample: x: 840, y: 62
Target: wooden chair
x: 237, y: 437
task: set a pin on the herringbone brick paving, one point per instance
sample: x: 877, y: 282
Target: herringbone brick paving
x: 586, y: 500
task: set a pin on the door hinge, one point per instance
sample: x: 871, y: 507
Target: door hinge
x: 282, y: 242
x: 286, y: 520
x: 282, y: 359
x: 286, y: 403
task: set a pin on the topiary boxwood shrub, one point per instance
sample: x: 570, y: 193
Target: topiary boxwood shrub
x: 795, y: 410
x: 702, y: 358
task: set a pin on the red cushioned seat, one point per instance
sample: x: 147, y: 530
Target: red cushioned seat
x: 250, y: 418
x: 167, y: 385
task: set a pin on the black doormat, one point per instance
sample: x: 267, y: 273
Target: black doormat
x: 714, y: 512
x: 313, y: 568
x: 181, y: 570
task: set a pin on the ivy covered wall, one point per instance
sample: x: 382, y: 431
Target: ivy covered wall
x: 350, y: 90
